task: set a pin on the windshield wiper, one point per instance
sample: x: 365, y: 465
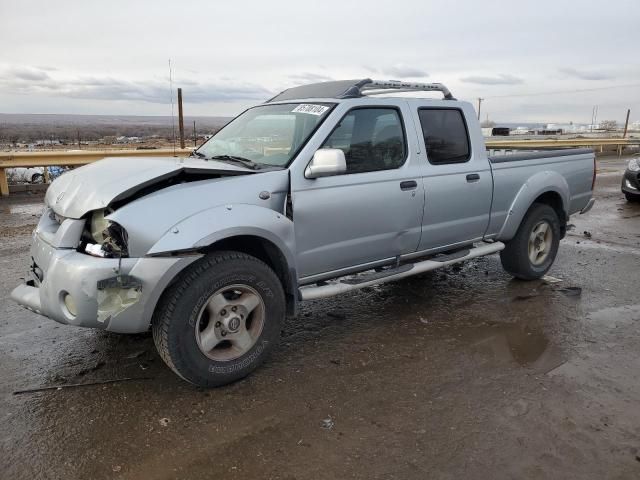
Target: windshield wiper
x: 245, y: 162
x: 195, y: 153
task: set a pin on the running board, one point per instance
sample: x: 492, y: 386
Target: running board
x: 407, y: 270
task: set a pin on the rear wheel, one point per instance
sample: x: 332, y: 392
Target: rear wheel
x: 531, y: 252
x: 220, y: 320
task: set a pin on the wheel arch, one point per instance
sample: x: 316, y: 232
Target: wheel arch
x: 549, y: 188
x: 257, y: 231
x: 267, y: 251
x: 554, y: 200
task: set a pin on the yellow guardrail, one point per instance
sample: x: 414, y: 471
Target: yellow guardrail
x: 65, y: 159
x: 82, y: 157
x: 511, y: 143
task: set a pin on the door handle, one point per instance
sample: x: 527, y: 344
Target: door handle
x: 408, y: 185
x: 473, y: 177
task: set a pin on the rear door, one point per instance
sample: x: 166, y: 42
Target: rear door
x: 457, y: 180
x: 373, y: 211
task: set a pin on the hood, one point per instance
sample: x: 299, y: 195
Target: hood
x: 115, y: 179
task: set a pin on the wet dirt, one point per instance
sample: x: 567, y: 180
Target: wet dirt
x: 459, y: 373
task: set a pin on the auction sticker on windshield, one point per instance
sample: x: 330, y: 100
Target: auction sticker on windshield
x: 310, y: 109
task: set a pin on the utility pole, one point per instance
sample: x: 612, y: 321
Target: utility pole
x: 479, y: 106
x: 626, y: 123
x: 78, y: 132
x: 180, y: 119
x: 195, y: 137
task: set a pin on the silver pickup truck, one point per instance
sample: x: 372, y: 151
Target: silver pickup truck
x: 324, y: 189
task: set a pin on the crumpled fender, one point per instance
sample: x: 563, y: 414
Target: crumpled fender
x: 536, y: 185
x: 217, y: 223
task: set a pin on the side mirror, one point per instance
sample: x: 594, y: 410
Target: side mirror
x: 326, y: 162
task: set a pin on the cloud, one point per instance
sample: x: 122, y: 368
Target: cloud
x: 400, y: 71
x: 502, y: 79
x: 29, y: 81
x: 586, y: 75
x: 26, y: 74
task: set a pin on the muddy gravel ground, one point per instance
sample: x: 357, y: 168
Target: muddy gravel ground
x: 460, y: 373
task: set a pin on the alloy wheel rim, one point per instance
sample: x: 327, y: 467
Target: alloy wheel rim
x: 540, y: 241
x: 230, y: 322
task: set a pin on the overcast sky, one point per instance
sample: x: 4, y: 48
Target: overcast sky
x: 111, y: 57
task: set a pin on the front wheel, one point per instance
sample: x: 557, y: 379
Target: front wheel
x: 531, y: 252
x: 220, y: 319
x: 632, y: 198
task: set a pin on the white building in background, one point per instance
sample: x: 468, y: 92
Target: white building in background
x: 566, y: 127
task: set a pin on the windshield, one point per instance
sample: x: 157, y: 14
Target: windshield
x: 265, y: 136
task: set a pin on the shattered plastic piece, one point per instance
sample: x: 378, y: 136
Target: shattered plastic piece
x: 114, y: 300
x: 587, y: 234
x: 94, y: 250
x: 550, y: 279
x: 328, y: 423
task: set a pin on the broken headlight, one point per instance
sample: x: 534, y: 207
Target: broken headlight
x: 110, y: 238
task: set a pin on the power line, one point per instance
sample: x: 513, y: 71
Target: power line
x: 540, y: 94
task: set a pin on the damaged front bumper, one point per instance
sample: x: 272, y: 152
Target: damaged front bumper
x: 106, y: 293
x: 631, y: 183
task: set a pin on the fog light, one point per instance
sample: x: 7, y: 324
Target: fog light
x: 628, y: 184
x: 70, y: 305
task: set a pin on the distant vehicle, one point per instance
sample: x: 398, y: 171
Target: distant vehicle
x: 352, y: 189
x: 631, y: 180
x: 500, y: 131
x: 33, y: 174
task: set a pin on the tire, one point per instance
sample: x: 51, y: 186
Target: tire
x: 516, y: 258
x: 195, y: 313
x: 37, y: 178
x: 632, y: 198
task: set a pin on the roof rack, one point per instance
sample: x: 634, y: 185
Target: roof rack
x: 357, y: 88
x: 377, y: 87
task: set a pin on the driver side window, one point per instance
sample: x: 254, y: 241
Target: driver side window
x: 372, y: 139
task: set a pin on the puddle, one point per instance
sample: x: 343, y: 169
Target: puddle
x: 526, y: 345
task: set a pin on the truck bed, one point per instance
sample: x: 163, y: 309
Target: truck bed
x: 521, y: 175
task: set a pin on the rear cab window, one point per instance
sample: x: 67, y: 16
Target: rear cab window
x: 446, y: 136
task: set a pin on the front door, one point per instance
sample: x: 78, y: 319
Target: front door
x: 370, y: 213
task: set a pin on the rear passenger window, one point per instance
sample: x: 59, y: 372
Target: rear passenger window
x: 445, y: 135
x: 372, y: 139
